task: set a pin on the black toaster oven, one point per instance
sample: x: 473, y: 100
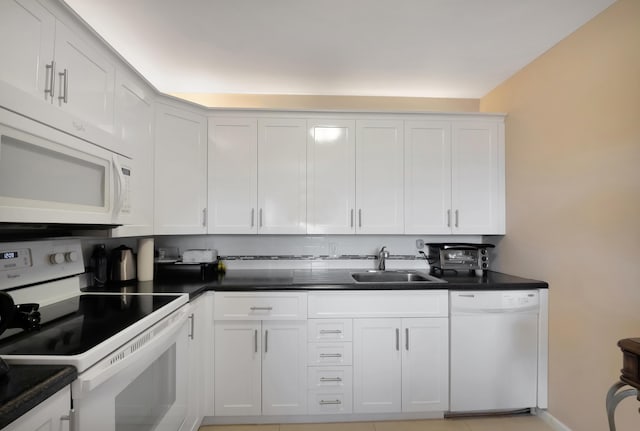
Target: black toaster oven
x: 458, y: 256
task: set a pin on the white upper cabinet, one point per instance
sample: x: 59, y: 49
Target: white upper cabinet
x: 56, y: 72
x: 85, y: 80
x: 380, y: 176
x: 282, y: 192
x: 477, y: 172
x: 180, y: 172
x: 427, y: 170
x: 331, y: 180
x: 134, y: 126
x: 26, y: 60
x: 233, y: 175
x: 257, y: 175
x: 454, y: 177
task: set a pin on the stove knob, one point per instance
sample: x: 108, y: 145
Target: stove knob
x: 56, y: 258
x: 71, y: 256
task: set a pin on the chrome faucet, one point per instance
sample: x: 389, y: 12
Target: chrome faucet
x: 383, y: 254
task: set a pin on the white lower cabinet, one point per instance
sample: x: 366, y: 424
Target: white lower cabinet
x: 260, y: 367
x: 50, y: 415
x: 400, y: 349
x: 425, y: 364
x: 330, y: 371
x: 400, y: 365
x: 200, y: 377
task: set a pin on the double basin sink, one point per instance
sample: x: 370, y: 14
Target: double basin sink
x: 409, y: 277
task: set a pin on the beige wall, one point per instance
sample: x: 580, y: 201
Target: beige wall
x: 573, y: 205
x: 295, y: 102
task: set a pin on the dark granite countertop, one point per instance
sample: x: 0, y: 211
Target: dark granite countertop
x: 184, y: 280
x: 26, y: 386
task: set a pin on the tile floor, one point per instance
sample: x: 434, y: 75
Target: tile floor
x: 508, y: 423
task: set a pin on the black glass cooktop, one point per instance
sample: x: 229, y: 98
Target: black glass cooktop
x: 75, y: 325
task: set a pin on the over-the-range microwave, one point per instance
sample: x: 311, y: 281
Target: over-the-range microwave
x: 50, y: 177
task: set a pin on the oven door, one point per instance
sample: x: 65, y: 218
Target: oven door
x: 141, y: 386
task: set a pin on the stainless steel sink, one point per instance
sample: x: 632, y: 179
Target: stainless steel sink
x: 394, y: 277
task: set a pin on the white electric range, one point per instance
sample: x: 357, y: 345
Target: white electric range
x: 130, y: 349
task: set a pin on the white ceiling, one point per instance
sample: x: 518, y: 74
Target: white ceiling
x: 416, y: 48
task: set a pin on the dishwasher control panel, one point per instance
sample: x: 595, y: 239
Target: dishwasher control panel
x: 494, y: 301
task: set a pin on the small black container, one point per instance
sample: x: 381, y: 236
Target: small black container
x: 99, y: 261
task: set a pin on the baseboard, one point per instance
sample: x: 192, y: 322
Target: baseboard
x: 550, y: 420
x: 326, y: 418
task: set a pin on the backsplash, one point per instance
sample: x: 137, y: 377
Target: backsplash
x: 296, y: 251
x: 329, y: 246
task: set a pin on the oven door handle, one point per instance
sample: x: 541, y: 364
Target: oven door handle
x: 136, y: 353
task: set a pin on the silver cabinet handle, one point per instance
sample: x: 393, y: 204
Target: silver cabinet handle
x: 255, y: 341
x: 351, y: 218
x: 457, y: 218
x: 64, y: 97
x: 331, y: 331
x: 71, y: 418
x: 464, y: 295
x: 50, y: 74
x: 204, y: 217
x: 266, y: 340
x: 398, y: 339
x: 449, y: 218
x: 325, y: 402
x: 191, y: 331
x: 260, y: 308
x: 406, y: 338
x: 330, y: 379
x: 331, y: 355
x: 253, y: 213
x: 260, y: 218
x: 360, y: 217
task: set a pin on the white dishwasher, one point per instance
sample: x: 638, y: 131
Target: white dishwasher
x: 494, y: 350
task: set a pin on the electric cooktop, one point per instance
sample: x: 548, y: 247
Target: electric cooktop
x: 76, y: 325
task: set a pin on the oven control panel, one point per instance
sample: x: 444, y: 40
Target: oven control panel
x: 23, y: 263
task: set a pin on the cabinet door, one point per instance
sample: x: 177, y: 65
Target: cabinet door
x: 24, y: 58
x: 427, y: 170
x: 379, y: 177
x: 46, y: 416
x: 200, y: 314
x: 238, y: 347
x: 284, y: 366
x: 233, y: 181
x: 477, y: 178
x: 331, y: 181
x: 425, y: 365
x: 282, y: 161
x: 134, y: 125
x: 377, y: 362
x: 180, y: 172
x: 85, y: 80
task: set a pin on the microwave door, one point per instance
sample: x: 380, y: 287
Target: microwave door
x: 47, y: 176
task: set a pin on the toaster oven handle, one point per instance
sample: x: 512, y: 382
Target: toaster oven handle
x: 460, y: 247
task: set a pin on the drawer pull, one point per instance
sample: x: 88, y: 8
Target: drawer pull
x: 329, y: 402
x: 331, y: 355
x: 331, y: 331
x: 330, y: 379
x: 261, y: 308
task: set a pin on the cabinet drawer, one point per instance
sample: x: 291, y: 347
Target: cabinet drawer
x: 330, y: 354
x: 330, y: 330
x: 323, y: 379
x: 259, y: 306
x: 330, y: 402
x: 387, y: 303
